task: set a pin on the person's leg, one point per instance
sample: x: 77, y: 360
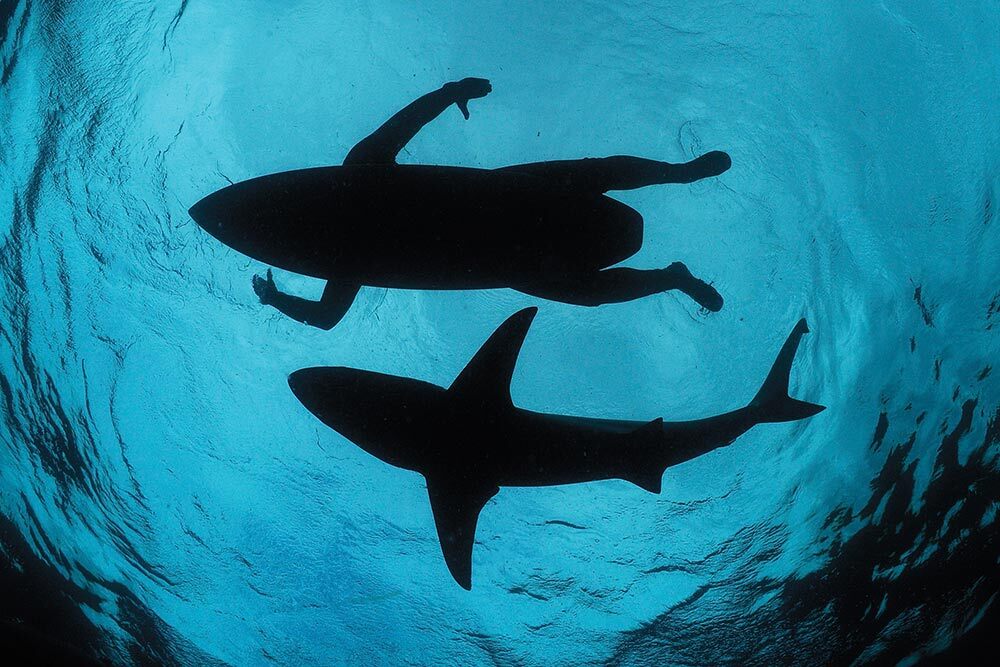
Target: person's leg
x: 324, y: 314
x: 622, y: 172
x: 623, y: 284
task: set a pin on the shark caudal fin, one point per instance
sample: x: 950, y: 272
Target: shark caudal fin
x: 772, y: 403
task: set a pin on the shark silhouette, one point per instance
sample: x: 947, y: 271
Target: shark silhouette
x: 470, y: 439
x: 545, y: 228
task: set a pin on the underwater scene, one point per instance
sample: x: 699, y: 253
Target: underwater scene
x: 372, y: 332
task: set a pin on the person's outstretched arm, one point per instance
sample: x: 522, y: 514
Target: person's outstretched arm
x: 383, y: 145
x: 323, y: 314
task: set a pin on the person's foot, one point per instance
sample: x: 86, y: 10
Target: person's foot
x: 265, y: 287
x: 708, y: 165
x: 701, y: 292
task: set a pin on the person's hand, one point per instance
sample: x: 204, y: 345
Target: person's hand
x: 265, y: 288
x: 468, y: 89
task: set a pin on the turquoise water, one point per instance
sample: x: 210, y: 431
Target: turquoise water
x: 162, y: 487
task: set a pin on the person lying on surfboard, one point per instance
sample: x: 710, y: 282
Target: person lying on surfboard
x: 545, y: 228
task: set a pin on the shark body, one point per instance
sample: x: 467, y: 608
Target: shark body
x: 469, y: 440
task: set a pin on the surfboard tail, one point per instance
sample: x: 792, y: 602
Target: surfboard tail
x: 772, y: 403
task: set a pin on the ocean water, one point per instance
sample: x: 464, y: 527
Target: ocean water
x: 166, y: 500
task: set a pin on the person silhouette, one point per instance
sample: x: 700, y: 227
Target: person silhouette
x: 546, y: 229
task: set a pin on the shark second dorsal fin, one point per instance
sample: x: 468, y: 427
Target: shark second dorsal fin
x: 487, y: 376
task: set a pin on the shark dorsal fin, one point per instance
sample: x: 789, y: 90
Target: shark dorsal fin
x: 487, y: 376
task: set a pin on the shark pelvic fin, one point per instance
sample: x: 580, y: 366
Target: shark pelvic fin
x: 486, y: 378
x: 646, y: 461
x: 456, y: 503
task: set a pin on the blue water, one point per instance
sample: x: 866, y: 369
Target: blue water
x: 159, y: 476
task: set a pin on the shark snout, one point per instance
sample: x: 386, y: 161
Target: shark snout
x: 330, y: 393
x: 379, y: 413
x: 305, y: 384
x: 313, y: 385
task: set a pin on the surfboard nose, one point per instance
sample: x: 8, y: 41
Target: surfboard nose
x: 208, y: 214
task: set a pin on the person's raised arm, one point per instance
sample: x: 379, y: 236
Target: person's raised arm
x: 383, y: 145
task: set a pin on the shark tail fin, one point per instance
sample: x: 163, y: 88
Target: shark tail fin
x: 772, y: 403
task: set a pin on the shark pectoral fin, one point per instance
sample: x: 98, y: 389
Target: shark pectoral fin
x: 486, y: 378
x: 645, y: 460
x: 456, y: 504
